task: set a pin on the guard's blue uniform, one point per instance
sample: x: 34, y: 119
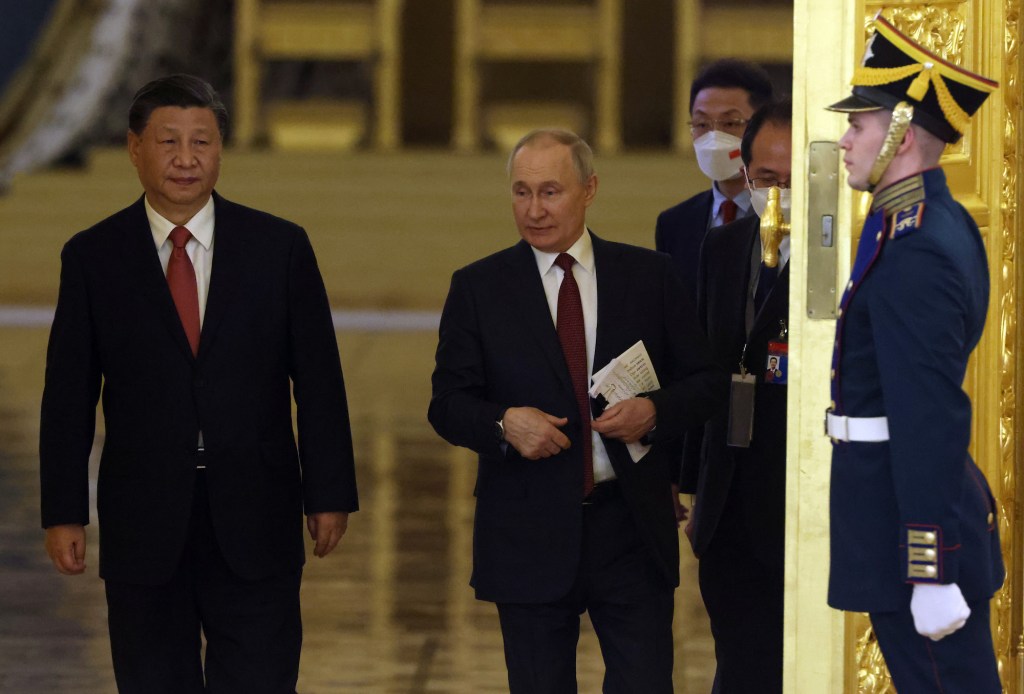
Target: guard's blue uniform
x: 915, y: 508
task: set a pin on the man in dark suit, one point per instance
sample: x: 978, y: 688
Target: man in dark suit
x: 566, y: 521
x: 201, y: 489
x: 914, y: 527
x: 723, y: 97
x: 737, y: 526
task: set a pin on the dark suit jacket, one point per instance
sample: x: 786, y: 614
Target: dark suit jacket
x: 499, y: 348
x: 267, y: 330
x: 913, y: 312
x: 680, y: 232
x: 755, y: 477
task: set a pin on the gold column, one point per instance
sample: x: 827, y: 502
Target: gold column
x: 826, y: 47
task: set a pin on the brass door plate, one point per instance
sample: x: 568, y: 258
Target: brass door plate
x: 822, y: 228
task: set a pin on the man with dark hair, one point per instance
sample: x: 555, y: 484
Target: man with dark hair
x: 567, y: 520
x: 737, y: 527
x: 201, y: 489
x: 723, y: 97
x: 176, y: 90
x: 914, y: 527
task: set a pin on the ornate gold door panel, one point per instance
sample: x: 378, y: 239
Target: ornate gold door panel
x: 825, y: 650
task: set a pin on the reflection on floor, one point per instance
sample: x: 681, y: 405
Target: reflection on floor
x: 391, y: 610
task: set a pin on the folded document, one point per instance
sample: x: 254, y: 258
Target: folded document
x: 626, y: 376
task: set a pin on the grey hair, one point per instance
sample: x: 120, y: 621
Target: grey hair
x: 582, y: 155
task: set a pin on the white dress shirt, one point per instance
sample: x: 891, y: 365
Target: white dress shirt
x: 585, y: 272
x: 199, y: 247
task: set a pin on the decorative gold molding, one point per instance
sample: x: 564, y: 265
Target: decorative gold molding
x: 872, y: 675
x: 1005, y: 621
x: 942, y: 30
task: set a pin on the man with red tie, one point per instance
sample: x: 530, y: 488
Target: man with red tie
x: 196, y: 318
x: 566, y: 520
x: 723, y: 97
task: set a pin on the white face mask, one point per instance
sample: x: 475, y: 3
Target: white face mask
x: 718, y: 155
x: 759, y: 201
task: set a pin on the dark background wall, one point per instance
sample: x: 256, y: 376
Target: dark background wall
x: 195, y: 36
x: 21, y: 22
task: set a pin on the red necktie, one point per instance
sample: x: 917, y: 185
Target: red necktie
x: 574, y: 346
x: 728, y: 210
x: 181, y: 278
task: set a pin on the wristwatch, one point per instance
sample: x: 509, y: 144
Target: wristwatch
x: 499, y: 426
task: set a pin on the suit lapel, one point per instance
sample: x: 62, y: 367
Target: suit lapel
x: 149, y: 275
x: 775, y: 305
x: 527, y: 293
x: 227, y: 275
x: 707, y: 203
x: 611, y: 288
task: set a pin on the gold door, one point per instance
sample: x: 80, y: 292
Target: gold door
x: 825, y: 650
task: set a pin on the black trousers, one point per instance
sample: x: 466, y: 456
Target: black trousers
x: 743, y: 595
x: 630, y: 606
x: 253, y: 629
x: 962, y: 663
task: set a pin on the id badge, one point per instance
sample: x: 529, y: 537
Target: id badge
x: 776, y: 369
x: 741, y: 410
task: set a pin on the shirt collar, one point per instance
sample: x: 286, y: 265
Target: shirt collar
x: 742, y: 200
x: 201, y: 225
x: 582, y: 252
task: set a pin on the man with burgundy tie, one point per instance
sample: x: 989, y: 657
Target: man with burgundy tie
x: 196, y: 318
x: 723, y: 97
x: 566, y: 521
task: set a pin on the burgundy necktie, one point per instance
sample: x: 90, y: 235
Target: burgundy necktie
x: 728, y: 210
x: 181, y: 278
x: 574, y: 346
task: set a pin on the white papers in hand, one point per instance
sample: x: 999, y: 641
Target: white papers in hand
x: 626, y: 376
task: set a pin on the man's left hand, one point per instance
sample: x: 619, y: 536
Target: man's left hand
x: 326, y: 529
x: 628, y: 421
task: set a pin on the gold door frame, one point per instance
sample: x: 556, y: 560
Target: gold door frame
x: 826, y: 651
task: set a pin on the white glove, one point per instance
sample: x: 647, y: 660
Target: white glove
x: 938, y: 610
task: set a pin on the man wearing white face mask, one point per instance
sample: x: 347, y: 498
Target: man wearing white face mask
x: 723, y: 97
x: 737, y: 526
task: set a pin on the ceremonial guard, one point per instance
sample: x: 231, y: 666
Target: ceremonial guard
x: 914, y: 538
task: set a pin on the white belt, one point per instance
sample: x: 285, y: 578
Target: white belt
x: 844, y: 428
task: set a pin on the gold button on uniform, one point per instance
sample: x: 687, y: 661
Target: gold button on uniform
x: 878, y: 236
x: 991, y: 518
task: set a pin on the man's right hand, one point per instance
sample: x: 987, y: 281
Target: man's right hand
x: 66, y: 546
x: 534, y: 434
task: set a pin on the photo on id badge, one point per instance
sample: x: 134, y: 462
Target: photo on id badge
x: 777, y: 366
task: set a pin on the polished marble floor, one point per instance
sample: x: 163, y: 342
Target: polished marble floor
x: 390, y: 611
